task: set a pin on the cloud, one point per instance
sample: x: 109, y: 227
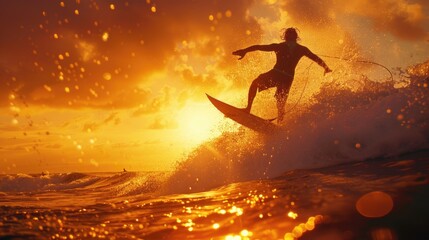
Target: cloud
x: 155, y: 105
x: 308, y: 12
x: 84, y: 54
x: 401, y: 18
x: 93, y: 126
x: 163, y: 123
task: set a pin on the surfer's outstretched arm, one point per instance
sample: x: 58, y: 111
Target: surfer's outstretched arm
x: 266, y: 48
x: 318, y: 60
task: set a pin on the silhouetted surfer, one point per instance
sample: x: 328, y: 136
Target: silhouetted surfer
x: 288, y: 54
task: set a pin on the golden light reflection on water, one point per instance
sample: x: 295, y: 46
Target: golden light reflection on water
x: 244, y: 235
x: 292, y: 215
x: 216, y: 226
x: 230, y: 219
x: 301, y: 228
x: 227, y: 213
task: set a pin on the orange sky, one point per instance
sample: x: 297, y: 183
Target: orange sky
x: 105, y: 85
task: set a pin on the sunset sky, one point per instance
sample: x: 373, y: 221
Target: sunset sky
x: 102, y: 85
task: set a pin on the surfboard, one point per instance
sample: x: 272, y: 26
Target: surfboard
x: 244, y: 118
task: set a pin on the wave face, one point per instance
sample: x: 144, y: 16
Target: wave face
x: 352, y: 121
x: 324, y: 203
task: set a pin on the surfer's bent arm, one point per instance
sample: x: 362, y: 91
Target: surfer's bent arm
x: 318, y: 60
x: 266, y: 48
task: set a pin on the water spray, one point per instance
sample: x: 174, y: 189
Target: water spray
x: 339, y: 58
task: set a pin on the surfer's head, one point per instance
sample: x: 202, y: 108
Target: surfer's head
x: 290, y: 34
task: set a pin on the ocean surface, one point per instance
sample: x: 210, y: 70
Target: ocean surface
x: 351, y: 164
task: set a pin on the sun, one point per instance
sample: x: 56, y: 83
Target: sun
x: 198, y: 122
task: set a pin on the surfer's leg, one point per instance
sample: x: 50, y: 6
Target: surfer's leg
x: 282, y: 93
x: 251, y: 95
x: 262, y: 82
x: 281, y: 97
x: 281, y: 109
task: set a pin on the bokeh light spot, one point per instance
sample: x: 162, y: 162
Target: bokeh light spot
x: 374, y: 204
x: 228, y: 13
x: 105, y: 36
x: 107, y: 76
x: 292, y: 215
x: 216, y: 226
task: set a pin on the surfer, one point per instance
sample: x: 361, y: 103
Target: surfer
x: 288, y: 54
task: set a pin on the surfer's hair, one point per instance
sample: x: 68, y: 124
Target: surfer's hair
x: 291, y: 34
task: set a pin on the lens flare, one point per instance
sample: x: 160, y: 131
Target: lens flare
x: 374, y: 204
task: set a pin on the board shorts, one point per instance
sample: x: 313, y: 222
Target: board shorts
x: 274, y: 78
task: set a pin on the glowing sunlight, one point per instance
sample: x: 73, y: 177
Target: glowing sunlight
x: 199, y: 122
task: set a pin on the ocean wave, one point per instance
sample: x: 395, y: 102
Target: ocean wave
x: 44, y: 182
x: 345, y: 122
x: 118, y: 184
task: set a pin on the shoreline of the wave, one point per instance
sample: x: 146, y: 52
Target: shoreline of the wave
x: 248, y: 120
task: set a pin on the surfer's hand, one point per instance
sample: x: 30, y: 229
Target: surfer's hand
x: 327, y: 70
x: 240, y: 53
